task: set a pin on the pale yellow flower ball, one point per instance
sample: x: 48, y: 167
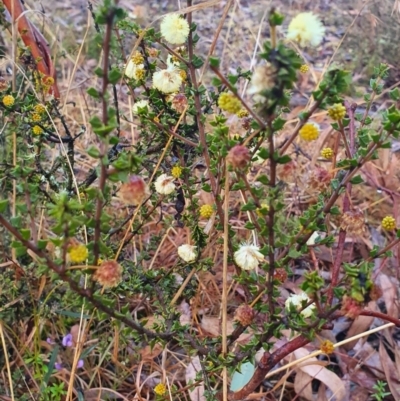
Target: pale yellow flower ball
x: 174, y: 29
x: 187, y: 252
x: 168, y: 80
x: 297, y: 300
x: 248, y: 256
x: 306, y: 29
x: 164, y: 184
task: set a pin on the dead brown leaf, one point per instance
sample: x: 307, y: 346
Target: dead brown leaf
x: 392, y: 376
x: 312, y: 367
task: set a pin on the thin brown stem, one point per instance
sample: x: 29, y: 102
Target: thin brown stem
x: 271, y: 217
x: 346, y: 204
x: 199, y: 120
x: 381, y: 316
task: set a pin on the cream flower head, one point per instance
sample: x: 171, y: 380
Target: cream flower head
x: 306, y: 29
x: 134, y: 71
x: 168, y: 80
x: 174, y: 29
x: 187, y: 252
x: 141, y: 104
x: 164, y: 184
x: 263, y: 78
x: 248, y: 256
x: 297, y: 300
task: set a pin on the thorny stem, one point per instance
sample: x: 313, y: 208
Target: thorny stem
x: 346, y: 143
x: 271, y: 218
x: 173, y: 133
x: 369, y: 104
x: 103, y: 166
x: 199, y: 115
x: 346, y: 206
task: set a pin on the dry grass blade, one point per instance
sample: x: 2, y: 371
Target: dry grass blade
x: 4, y: 345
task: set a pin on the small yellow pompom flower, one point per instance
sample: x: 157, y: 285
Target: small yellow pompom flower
x: 8, y: 100
x: 327, y: 153
x: 176, y: 171
x: 77, y: 253
x: 327, y: 347
x: 37, y: 130
x: 206, y: 211
x: 309, y: 132
x: 160, y: 389
x: 304, y: 68
x: 39, y: 108
x: 174, y: 29
x: 306, y: 29
x: 389, y: 223
x: 36, y: 117
x: 137, y: 58
x: 242, y: 113
x: 337, y: 112
x: 229, y: 103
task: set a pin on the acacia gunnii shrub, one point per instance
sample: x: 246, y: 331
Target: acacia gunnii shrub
x: 208, y: 161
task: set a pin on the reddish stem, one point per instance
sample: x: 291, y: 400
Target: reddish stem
x: 382, y: 316
x: 346, y: 207
x: 267, y: 362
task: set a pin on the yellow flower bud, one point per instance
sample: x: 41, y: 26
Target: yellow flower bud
x: 337, y: 112
x: 327, y: 153
x: 389, y: 223
x: 206, y: 211
x: 8, y: 100
x: 309, y: 132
